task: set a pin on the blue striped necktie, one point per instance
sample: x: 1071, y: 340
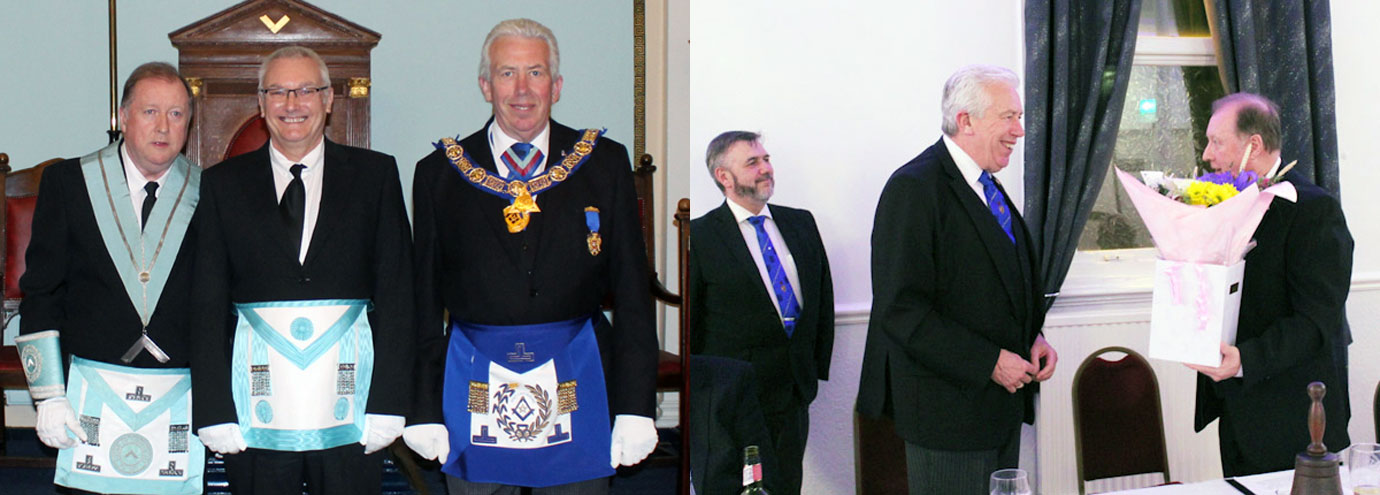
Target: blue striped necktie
x: 996, y: 201
x: 785, y: 295
x: 522, y: 160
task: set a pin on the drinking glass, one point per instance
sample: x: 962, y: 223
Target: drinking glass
x: 1363, y: 465
x: 1009, y: 482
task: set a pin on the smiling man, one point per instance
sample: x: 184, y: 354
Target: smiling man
x: 956, y: 312
x: 304, y: 299
x: 524, y: 229
x: 106, y: 292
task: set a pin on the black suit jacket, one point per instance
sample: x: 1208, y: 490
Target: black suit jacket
x: 469, y: 265
x: 360, y: 249
x: 950, y: 291
x: 733, y: 315
x: 70, y: 283
x: 725, y: 417
x: 1292, y: 331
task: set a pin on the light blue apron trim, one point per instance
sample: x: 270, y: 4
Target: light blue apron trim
x: 64, y: 475
x: 40, y: 356
x: 303, y: 357
x: 108, y: 398
x: 354, y: 326
x: 103, y: 172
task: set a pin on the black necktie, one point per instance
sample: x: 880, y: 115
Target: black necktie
x: 149, y: 197
x: 293, y: 207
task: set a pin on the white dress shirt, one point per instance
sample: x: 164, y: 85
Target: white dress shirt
x: 500, y: 141
x: 740, y: 215
x: 968, y: 167
x: 315, y: 160
x: 136, y: 182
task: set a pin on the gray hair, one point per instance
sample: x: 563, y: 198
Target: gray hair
x: 714, y: 156
x: 966, y: 91
x: 522, y: 28
x: 294, y: 51
x: 1255, y: 114
x: 155, y: 70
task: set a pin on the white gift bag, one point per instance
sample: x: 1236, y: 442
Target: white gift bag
x: 1196, y: 307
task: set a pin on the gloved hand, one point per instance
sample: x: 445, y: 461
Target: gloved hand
x: 224, y: 438
x: 55, y: 418
x: 380, y: 430
x: 430, y: 440
x: 633, y: 438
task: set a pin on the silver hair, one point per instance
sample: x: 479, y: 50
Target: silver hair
x: 714, y: 156
x: 522, y: 28
x: 294, y: 51
x: 966, y: 91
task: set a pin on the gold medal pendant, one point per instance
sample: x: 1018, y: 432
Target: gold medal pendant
x: 595, y: 243
x: 517, y: 215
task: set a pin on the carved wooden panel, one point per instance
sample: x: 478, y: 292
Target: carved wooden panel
x: 220, y: 56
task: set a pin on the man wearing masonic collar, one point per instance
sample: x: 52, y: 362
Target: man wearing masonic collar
x: 106, y: 301
x: 522, y: 231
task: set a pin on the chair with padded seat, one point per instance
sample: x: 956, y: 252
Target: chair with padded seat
x: 1118, y: 421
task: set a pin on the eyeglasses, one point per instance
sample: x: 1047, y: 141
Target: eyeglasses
x: 281, y: 94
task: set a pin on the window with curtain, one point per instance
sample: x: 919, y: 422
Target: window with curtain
x: 1174, y: 81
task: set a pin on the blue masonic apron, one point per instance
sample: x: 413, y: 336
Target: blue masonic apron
x: 525, y: 405
x: 301, y: 371
x: 137, y: 420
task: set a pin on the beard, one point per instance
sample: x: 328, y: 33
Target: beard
x: 760, y: 190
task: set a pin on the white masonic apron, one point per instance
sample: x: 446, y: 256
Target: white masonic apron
x: 301, y: 371
x: 138, y: 431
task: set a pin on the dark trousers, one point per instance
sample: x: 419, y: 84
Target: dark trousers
x: 1234, y: 461
x: 342, y: 470
x: 457, y: 486
x: 958, y: 472
x: 789, y: 430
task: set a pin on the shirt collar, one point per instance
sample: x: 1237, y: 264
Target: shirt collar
x: 1275, y: 169
x: 501, y: 141
x: 314, y: 159
x: 966, y: 165
x: 133, y: 177
x: 741, y: 214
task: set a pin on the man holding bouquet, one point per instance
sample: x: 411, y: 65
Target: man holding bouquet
x: 1292, y: 328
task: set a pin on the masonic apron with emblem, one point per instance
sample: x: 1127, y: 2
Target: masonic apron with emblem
x: 138, y: 431
x: 137, y: 420
x: 525, y: 405
x: 301, y: 371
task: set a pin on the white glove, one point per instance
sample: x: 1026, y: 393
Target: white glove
x: 380, y: 430
x: 224, y: 438
x: 430, y: 440
x: 633, y: 438
x: 55, y: 418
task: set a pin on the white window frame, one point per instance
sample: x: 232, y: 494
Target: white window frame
x: 1097, y: 277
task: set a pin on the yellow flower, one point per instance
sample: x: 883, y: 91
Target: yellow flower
x: 1207, y: 193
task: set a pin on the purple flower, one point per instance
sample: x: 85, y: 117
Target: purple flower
x: 1240, y: 182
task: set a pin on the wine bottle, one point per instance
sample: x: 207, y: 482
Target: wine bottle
x: 752, y: 473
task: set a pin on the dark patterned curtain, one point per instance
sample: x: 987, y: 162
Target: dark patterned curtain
x: 1282, y: 49
x: 1078, y: 65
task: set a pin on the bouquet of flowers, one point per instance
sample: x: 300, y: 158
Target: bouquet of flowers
x: 1203, y: 229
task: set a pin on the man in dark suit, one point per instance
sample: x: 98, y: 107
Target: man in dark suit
x: 1292, y: 329
x: 523, y: 230
x: 762, y: 293
x: 726, y: 416
x: 957, y: 308
x: 109, y: 272
x: 304, y: 299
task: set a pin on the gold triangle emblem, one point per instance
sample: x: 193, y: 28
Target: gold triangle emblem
x: 274, y: 26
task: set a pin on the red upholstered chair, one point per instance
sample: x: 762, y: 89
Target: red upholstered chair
x: 1118, y: 423
x: 21, y: 194
x: 879, y: 456
x: 251, y: 136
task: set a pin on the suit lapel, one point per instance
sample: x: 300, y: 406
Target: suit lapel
x: 994, y: 240
x: 482, y: 155
x: 728, y: 233
x: 261, y: 186
x: 336, y: 183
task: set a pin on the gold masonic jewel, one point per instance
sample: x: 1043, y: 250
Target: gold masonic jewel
x: 274, y: 27
x: 517, y: 215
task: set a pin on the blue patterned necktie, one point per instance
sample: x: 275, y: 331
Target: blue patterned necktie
x: 785, y: 295
x: 522, y: 160
x: 996, y: 201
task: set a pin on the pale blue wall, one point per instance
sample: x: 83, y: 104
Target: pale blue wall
x: 54, y: 78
